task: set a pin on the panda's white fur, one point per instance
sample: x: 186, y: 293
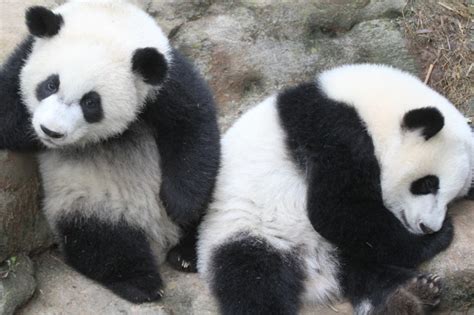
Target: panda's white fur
x: 92, y: 50
x: 261, y: 194
x: 112, y: 184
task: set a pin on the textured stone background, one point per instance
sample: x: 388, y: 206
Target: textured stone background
x: 246, y: 50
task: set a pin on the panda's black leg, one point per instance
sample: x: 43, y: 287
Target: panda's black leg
x: 183, y: 257
x: 250, y: 276
x: 383, y: 289
x: 117, y: 255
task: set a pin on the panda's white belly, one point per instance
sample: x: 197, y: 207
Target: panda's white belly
x: 260, y: 190
x: 119, y: 180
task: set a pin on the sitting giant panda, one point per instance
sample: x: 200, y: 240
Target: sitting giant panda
x: 127, y: 137
x: 338, y: 187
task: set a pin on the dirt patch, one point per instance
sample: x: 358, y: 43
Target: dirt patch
x: 439, y: 32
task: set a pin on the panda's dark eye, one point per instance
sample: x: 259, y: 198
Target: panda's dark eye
x: 47, y: 87
x: 89, y: 103
x: 52, y: 86
x: 92, y: 107
x: 425, y: 185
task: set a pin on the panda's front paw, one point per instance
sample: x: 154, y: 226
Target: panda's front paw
x: 416, y: 297
x: 444, y: 237
x: 141, y: 289
x: 183, y: 258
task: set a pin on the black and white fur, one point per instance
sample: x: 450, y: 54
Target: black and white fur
x: 334, y: 188
x: 127, y: 138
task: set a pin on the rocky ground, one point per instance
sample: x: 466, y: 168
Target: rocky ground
x: 246, y: 49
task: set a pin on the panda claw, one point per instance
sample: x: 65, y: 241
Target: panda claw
x: 185, y: 264
x: 182, y: 262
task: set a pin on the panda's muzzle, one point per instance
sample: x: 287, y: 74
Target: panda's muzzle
x: 426, y: 229
x: 51, y: 133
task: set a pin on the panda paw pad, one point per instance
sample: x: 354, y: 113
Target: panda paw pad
x: 417, y: 296
x: 427, y: 288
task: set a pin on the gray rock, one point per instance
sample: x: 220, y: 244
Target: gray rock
x: 23, y: 227
x: 249, y: 51
x: 17, y: 283
x: 456, y: 264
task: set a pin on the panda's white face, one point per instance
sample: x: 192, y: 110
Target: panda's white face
x: 83, y: 94
x: 423, y: 144
x: 92, y: 66
x: 421, y: 177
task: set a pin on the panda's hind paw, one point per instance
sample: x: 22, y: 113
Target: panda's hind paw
x: 418, y: 296
x: 427, y: 288
x: 183, y: 258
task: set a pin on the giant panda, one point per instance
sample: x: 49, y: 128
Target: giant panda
x: 127, y: 140
x: 336, y: 188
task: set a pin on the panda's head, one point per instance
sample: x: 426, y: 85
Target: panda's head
x: 427, y: 167
x: 92, y: 66
x: 423, y: 144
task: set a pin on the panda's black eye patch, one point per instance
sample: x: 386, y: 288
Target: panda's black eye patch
x: 425, y: 185
x: 92, y: 107
x: 48, y: 87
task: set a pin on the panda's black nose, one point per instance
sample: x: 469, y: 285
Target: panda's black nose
x: 426, y: 229
x: 50, y: 133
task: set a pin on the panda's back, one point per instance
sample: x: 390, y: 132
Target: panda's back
x: 113, y: 181
x: 260, y: 193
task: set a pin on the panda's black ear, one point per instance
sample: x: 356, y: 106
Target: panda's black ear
x: 43, y: 22
x: 428, y: 119
x: 150, y: 64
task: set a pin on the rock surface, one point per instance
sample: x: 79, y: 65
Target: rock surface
x: 22, y: 225
x: 456, y: 264
x: 17, y: 283
x: 249, y: 50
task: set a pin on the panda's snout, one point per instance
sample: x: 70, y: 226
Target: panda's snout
x: 425, y: 229
x: 50, y: 133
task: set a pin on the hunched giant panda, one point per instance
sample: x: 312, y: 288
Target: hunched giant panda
x: 127, y: 139
x: 338, y: 187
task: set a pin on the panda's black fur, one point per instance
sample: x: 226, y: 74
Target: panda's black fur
x: 16, y: 132
x: 181, y: 118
